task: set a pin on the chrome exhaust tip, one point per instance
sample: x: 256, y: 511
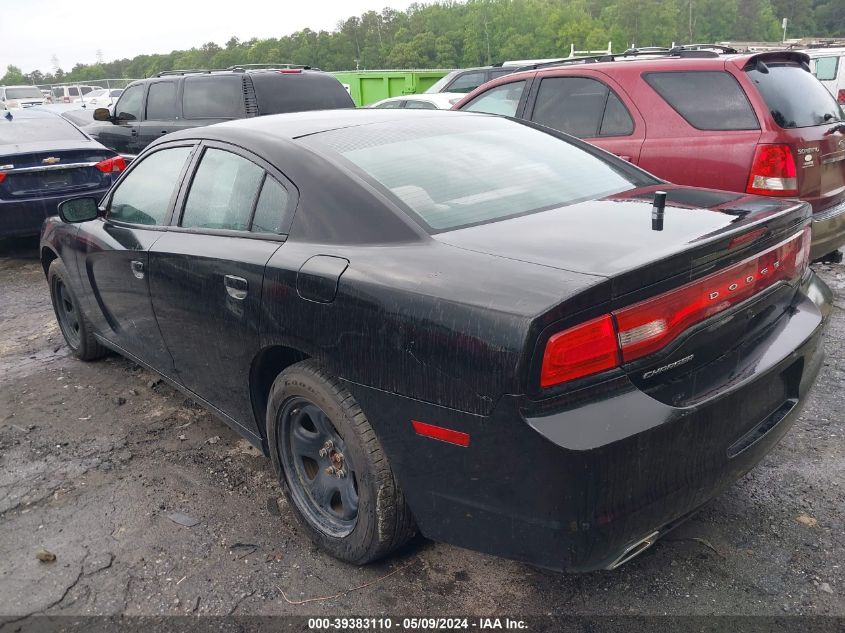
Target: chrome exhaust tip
x: 634, y: 550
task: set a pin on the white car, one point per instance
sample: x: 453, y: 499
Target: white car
x: 15, y: 97
x: 101, y: 97
x: 434, y: 101
x: 67, y: 94
x: 828, y: 65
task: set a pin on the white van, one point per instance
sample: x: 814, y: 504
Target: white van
x: 67, y: 94
x: 828, y: 65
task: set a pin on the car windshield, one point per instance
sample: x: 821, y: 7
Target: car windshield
x: 454, y: 171
x: 440, y: 84
x: 24, y: 92
x: 95, y: 93
x: 795, y: 97
x: 33, y: 129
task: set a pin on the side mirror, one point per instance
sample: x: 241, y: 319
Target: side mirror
x: 102, y: 114
x: 79, y: 210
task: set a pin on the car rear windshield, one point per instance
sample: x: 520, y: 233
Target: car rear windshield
x: 34, y: 129
x: 454, y: 171
x: 794, y: 97
x: 25, y: 92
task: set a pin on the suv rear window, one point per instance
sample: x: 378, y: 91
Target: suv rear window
x: 517, y: 169
x: 219, y: 97
x: 794, y: 97
x: 708, y: 100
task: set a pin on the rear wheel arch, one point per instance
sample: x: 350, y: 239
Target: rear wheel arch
x: 266, y: 366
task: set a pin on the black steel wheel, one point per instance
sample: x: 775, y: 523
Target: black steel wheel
x: 335, y: 474
x: 75, y: 327
x: 321, y: 473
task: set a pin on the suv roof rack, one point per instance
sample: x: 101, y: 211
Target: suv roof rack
x: 567, y: 61
x: 240, y: 68
x: 280, y: 66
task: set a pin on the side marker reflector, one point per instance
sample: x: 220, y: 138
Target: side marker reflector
x: 440, y: 433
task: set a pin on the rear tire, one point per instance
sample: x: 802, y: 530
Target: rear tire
x: 360, y: 515
x: 75, y: 327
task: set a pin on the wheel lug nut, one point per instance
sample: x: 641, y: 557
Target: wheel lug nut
x: 331, y: 471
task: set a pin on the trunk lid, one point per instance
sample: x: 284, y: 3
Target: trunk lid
x: 702, y: 231
x: 47, y: 169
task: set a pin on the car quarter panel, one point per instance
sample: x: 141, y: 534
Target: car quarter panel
x: 425, y: 320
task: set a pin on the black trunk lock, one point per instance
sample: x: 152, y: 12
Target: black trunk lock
x: 658, y: 210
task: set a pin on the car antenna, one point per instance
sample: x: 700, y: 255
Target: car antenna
x: 658, y: 210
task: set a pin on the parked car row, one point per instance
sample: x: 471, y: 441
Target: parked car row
x: 755, y: 123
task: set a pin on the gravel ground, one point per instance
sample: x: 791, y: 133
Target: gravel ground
x: 96, y: 458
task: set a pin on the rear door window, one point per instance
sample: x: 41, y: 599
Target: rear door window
x: 143, y: 197
x: 580, y: 106
x: 220, y: 97
x: 794, y: 97
x: 502, y: 100
x: 223, y: 192
x: 161, y: 101
x: 707, y: 100
x: 271, y: 212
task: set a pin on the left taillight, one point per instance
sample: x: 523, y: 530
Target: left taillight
x: 580, y: 351
x: 646, y: 327
x: 112, y: 165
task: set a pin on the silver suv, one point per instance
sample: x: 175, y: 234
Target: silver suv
x: 14, y: 97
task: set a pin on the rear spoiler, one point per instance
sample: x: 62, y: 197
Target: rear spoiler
x: 773, y: 56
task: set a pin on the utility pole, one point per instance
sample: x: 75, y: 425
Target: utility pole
x: 785, y: 20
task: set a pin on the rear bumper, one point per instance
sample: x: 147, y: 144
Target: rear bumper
x: 20, y: 218
x: 828, y: 231
x: 576, y: 488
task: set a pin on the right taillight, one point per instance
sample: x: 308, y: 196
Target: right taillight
x: 648, y: 326
x: 841, y: 96
x: 773, y: 171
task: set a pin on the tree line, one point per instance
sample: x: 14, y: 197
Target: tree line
x: 450, y: 34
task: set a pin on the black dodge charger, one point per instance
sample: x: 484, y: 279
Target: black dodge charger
x: 452, y: 323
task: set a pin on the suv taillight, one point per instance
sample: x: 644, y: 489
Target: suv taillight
x: 773, y: 172
x: 2, y: 176
x: 111, y: 165
x: 646, y: 327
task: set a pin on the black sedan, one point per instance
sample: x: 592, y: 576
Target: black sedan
x: 45, y: 159
x: 460, y: 324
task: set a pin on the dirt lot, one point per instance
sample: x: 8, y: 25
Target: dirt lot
x: 96, y: 458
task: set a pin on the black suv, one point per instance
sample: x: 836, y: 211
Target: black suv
x: 177, y: 100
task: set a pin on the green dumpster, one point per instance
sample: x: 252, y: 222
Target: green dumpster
x: 368, y: 86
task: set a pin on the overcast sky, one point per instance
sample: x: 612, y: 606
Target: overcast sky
x: 31, y: 31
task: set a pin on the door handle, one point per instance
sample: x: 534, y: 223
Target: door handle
x: 137, y: 268
x: 164, y: 131
x: 236, y: 287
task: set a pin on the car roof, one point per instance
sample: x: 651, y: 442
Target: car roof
x: 295, y: 125
x: 433, y: 97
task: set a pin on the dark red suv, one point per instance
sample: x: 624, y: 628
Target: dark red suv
x: 755, y: 123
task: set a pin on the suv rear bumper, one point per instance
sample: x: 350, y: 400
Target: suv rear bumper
x: 583, y: 486
x: 828, y: 231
